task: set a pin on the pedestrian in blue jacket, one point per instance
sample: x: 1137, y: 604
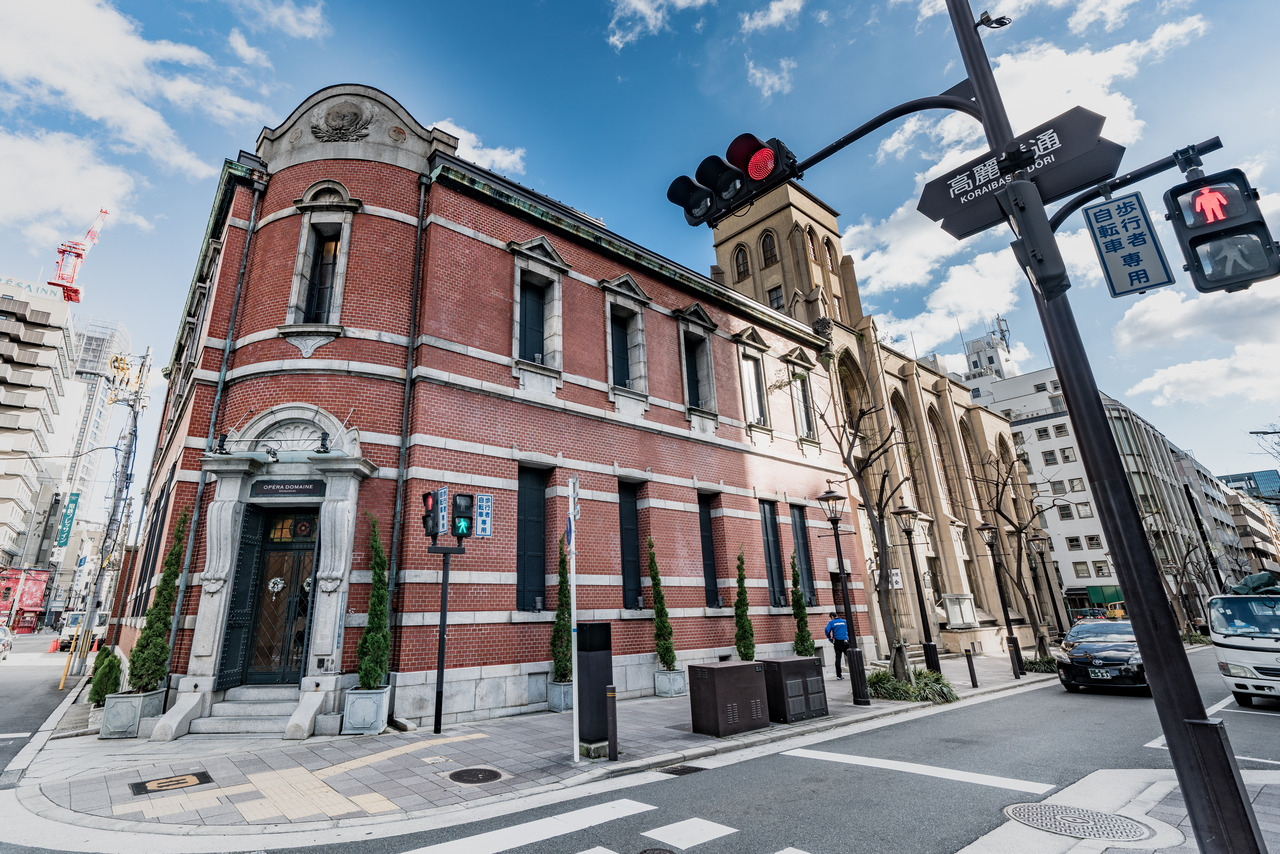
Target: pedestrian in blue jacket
x: 837, y: 631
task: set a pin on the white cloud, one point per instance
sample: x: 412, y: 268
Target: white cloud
x: 299, y: 22
x: 778, y: 13
x: 106, y: 71
x: 769, y: 81
x: 902, y: 251
x: 247, y: 52
x: 1249, y: 373
x: 52, y: 186
x: 969, y: 295
x: 634, y: 19
x: 822, y: 16
x: 506, y: 160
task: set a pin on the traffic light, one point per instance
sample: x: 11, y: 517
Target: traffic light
x: 722, y: 185
x: 430, y: 519
x: 1222, y: 232
x: 1035, y: 248
x: 464, y: 514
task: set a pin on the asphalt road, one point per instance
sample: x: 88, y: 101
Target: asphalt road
x: 816, y: 802
x: 28, y: 691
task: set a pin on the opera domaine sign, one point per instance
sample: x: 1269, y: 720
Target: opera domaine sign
x: 288, y: 489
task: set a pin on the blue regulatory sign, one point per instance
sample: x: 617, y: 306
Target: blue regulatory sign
x: 484, y: 515
x: 1127, y: 246
x: 442, y: 510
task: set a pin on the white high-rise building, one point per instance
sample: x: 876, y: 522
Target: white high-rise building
x: 99, y: 339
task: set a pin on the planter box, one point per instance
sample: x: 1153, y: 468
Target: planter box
x: 122, y: 712
x: 669, y: 683
x: 365, y: 712
x: 559, y: 696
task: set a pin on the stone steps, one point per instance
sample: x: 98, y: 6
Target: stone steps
x: 253, y: 709
x: 261, y: 693
x: 272, y: 724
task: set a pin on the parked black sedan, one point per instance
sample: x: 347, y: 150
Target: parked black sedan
x: 1100, y: 653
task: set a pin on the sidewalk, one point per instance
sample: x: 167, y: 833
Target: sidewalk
x: 250, y: 785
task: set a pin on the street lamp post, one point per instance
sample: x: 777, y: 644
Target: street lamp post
x: 907, y: 517
x: 833, y: 505
x: 1038, y: 543
x: 990, y: 533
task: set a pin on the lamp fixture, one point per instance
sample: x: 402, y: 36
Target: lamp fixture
x: 988, y: 532
x: 907, y: 516
x: 832, y: 503
x: 985, y: 20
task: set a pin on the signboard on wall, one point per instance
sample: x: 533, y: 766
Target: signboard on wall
x: 287, y: 489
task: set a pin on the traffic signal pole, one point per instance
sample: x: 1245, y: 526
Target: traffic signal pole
x: 1217, y: 803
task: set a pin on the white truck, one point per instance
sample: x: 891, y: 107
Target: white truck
x: 1245, y: 630
x: 71, y: 622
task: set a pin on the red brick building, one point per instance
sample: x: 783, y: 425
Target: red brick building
x: 373, y: 317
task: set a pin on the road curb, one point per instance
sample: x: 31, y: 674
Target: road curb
x: 33, y: 799
x: 19, y: 764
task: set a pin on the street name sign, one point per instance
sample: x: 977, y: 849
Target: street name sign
x: 1128, y: 249
x: 1069, y: 155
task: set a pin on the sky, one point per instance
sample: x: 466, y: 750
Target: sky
x: 601, y: 103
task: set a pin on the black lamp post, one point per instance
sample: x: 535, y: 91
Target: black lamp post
x: 1038, y: 543
x: 833, y: 505
x: 907, y: 517
x: 990, y: 534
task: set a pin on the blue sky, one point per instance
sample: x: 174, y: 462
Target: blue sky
x: 133, y: 106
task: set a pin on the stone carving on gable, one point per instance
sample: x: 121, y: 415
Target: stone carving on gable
x: 345, y: 121
x: 290, y: 436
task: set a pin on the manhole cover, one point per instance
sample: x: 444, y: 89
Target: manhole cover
x: 657, y: 851
x: 1078, y: 822
x: 473, y: 776
x: 680, y: 771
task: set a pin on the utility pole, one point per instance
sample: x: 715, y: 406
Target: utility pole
x: 1220, y: 811
x: 134, y: 395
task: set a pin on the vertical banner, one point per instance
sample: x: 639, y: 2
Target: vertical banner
x: 68, y: 516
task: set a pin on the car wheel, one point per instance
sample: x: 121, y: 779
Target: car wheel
x: 1242, y: 699
x: 1071, y: 687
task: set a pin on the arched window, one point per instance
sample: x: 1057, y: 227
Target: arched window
x: 940, y: 454
x: 769, y: 249
x: 913, y: 491
x: 813, y: 247
x: 741, y: 267
x: 832, y: 264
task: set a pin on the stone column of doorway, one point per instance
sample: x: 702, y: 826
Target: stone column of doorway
x: 338, y: 517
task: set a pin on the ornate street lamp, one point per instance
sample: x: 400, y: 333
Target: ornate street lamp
x: 832, y: 503
x: 907, y: 517
x: 1039, y: 542
x: 990, y: 534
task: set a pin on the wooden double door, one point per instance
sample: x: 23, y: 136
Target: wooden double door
x: 266, y: 632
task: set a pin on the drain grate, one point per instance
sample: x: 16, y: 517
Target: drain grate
x: 475, y: 776
x: 1078, y: 822
x: 680, y: 771
x: 657, y: 851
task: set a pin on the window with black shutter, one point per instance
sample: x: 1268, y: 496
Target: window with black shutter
x: 533, y: 306
x: 804, y: 560
x: 772, y: 553
x: 531, y: 538
x: 708, y: 551
x: 629, y: 538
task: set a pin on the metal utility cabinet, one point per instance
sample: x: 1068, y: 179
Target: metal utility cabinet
x: 728, y: 697
x: 795, y: 689
x: 594, y: 672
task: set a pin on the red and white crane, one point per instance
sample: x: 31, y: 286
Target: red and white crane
x: 71, y: 256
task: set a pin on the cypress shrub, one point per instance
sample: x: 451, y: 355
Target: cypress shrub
x: 149, y: 661
x: 662, y: 634
x: 804, y: 638
x: 106, y: 676
x: 562, y: 630
x: 745, y: 637
x: 373, y: 653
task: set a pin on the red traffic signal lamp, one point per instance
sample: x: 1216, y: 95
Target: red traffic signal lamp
x: 1222, y: 232
x: 430, y: 519
x: 722, y: 185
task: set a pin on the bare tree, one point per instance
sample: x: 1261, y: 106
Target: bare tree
x: 865, y: 456
x: 999, y: 497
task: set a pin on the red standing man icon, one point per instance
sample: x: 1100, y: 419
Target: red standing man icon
x: 1210, y: 203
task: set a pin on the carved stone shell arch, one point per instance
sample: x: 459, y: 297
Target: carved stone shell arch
x: 327, y: 195
x: 296, y: 427
x: 352, y: 122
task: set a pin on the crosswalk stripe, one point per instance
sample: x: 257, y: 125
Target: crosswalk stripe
x: 688, y: 833
x: 597, y: 850
x: 15, y: 735
x: 497, y: 841
x: 927, y: 771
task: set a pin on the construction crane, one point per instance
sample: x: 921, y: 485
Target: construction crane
x: 71, y: 256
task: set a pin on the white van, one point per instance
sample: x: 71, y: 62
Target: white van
x: 1246, y: 636
x: 71, y: 622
